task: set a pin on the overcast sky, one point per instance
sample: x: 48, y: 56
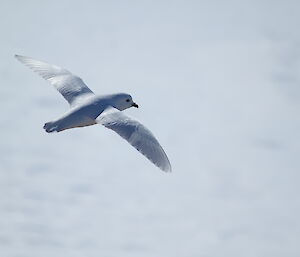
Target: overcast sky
x: 217, y: 82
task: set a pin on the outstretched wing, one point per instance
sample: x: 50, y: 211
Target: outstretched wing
x: 70, y: 86
x: 137, y: 135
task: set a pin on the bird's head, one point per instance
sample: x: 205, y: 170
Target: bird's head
x: 123, y: 101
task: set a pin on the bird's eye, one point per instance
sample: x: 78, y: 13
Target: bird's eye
x: 127, y: 100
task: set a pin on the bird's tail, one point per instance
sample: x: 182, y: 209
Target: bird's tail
x: 51, y: 127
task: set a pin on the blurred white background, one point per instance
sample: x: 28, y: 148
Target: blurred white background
x: 218, y: 83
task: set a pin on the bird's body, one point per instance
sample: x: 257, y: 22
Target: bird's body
x: 87, y: 109
x: 81, y: 115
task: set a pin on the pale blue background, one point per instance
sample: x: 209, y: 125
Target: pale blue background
x: 218, y: 83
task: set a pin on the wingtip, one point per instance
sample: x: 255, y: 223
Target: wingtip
x: 167, y: 169
x: 21, y: 57
x: 24, y: 59
x: 18, y: 57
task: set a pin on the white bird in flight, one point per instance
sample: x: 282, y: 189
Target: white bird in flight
x: 88, y: 109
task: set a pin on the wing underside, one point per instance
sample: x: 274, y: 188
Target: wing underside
x: 137, y: 135
x: 72, y: 88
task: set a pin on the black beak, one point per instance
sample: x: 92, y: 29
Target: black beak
x: 135, y: 105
